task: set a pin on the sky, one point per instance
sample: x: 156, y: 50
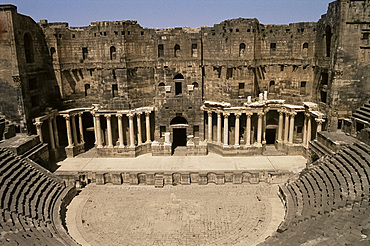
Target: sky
x: 171, y: 13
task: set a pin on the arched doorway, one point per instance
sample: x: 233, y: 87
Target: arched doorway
x: 179, y: 124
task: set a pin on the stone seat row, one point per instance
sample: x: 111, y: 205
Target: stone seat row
x: 336, y: 182
x: 25, y: 190
x: 20, y: 230
x: 344, y: 226
x: 31, y: 204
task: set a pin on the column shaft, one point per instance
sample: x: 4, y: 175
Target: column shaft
x: 109, y: 130
x: 226, y: 129
x: 69, y: 132
x: 209, y: 126
x: 147, y: 125
x: 237, y: 127
x: 219, y: 128
x: 286, y: 128
x: 304, y: 140
x: 51, y: 133
x: 81, y: 128
x: 98, y: 131
x: 120, y: 130
x: 249, y: 115
x: 131, y: 126
x: 280, y: 130
x: 308, y: 130
x: 74, y: 129
x: 291, y: 129
x: 56, y: 134
x: 259, y: 129
x: 138, y: 121
x: 95, y: 130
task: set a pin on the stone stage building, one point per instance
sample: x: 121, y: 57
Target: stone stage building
x: 231, y: 89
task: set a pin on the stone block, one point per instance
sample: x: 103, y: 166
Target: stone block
x: 167, y: 177
x: 126, y: 178
x: 228, y: 177
x: 203, y: 179
x: 194, y: 178
x: 150, y: 180
x: 133, y: 179
x: 237, y: 178
x: 99, y: 179
x: 159, y: 182
x: 116, y: 179
x: 176, y: 178
x: 185, y: 179
x: 211, y: 177
x: 254, y: 178
x: 220, y: 179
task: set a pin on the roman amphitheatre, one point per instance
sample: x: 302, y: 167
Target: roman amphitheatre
x: 239, y: 133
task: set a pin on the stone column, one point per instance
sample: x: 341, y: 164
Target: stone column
x: 69, y: 132
x: 99, y: 140
x: 74, y: 130
x: 264, y: 127
x: 209, y: 126
x: 51, y: 133
x: 131, y: 127
x: 39, y: 130
x: 138, y: 121
x: 281, y: 122
x: 147, y: 126
x: 291, y: 129
x: 120, y: 130
x: 237, y: 127
x: 56, y: 135
x: 249, y: 116
x: 308, y: 129
x: 226, y: 129
x: 109, y: 130
x: 286, y: 128
x: 259, y: 129
x: 218, y: 127
x: 304, y: 140
x: 319, y: 125
x: 81, y: 128
x: 95, y: 129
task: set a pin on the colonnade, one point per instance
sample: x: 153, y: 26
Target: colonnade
x: 53, y: 130
x: 285, y: 131
x: 72, y: 129
x: 131, y: 132
x: 237, y: 127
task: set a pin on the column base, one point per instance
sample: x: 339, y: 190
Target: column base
x: 72, y: 151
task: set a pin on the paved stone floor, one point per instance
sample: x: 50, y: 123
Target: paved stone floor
x: 175, y: 215
x: 211, y: 162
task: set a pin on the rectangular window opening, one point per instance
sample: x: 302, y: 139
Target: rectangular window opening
x: 323, y: 96
x: 273, y: 46
x: 196, y: 131
x: 162, y: 130
x: 229, y: 73
x: 178, y: 88
x: 160, y: 50
x: 114, y: 90
x: 84, y: 53
x: 194, y: 50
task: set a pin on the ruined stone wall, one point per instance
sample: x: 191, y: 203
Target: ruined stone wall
x: 342, y: 57
x: 27, y: 81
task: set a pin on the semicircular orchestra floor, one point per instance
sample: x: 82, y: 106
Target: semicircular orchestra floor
x: 175, y: 215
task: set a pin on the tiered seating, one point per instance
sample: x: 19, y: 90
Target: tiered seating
x: 338, y: 182
x: 363, y: 113
x: 29, y: 199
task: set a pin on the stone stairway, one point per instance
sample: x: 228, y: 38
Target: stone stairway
x: 180, y: 151
x: 363, y: 113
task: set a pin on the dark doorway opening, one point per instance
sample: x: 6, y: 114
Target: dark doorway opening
x: 270, y: 136
x: 178, y: 88
x: 179, y: 137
